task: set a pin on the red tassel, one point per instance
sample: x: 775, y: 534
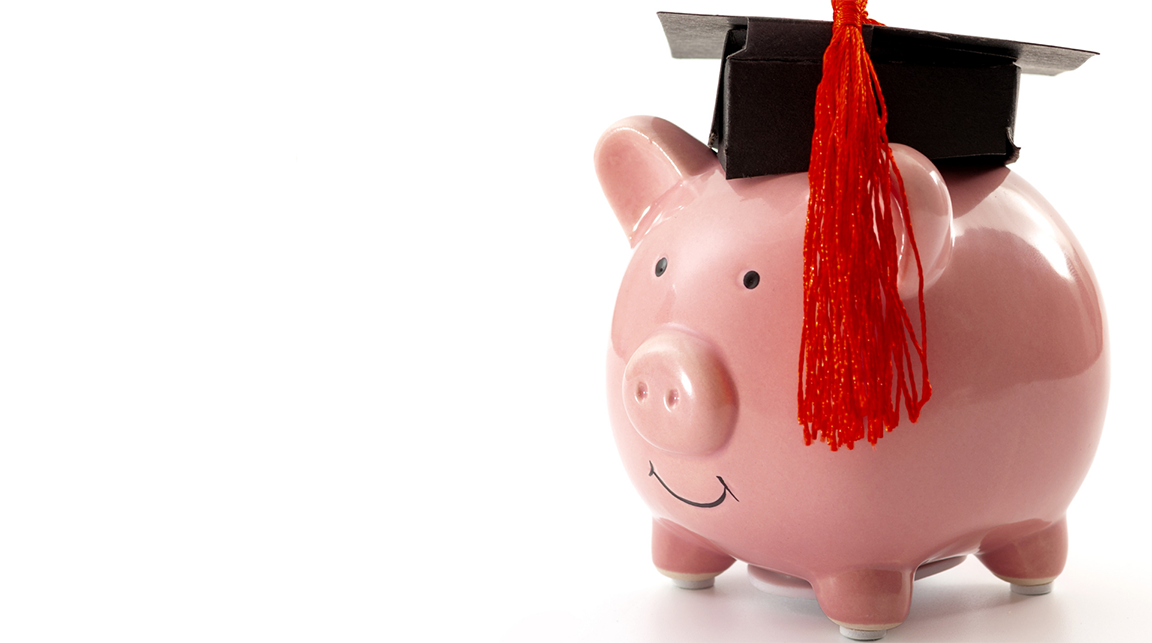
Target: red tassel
x: 857, y: 343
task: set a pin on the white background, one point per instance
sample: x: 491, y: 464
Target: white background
x: 304, y: 306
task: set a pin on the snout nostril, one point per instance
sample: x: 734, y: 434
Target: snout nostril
x: 671, y: 399
x: 641, y: 392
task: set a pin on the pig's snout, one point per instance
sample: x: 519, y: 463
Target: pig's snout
x: 679, y: 395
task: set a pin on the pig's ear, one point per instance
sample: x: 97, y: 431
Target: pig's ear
x: 642, y: 157
x: 930, y: 207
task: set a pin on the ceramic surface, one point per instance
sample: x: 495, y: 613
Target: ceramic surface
x: 702, y: 381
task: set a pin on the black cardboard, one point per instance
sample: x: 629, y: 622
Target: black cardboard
x: 951, y: 97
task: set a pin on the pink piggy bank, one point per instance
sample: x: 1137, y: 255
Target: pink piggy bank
x: 702, y: 383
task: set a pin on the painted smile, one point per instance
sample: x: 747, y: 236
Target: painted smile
x: 723, y: 494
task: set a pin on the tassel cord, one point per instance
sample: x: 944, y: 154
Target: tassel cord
x: 855, y: 358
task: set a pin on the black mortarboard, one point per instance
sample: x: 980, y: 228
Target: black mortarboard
x: 953, y: 98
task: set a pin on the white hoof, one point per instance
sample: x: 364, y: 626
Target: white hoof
x: 1031, y: 590
x: 694, y: 584
x: 862, y: 635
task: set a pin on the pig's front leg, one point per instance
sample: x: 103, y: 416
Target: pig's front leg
x: 865, y: 603
x: 685, y: 558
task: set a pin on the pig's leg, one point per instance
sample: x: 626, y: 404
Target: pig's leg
x: 866, y: 603
x: 688, y: 561
x: 1033, y: 562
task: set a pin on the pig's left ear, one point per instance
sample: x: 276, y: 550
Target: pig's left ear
x: 930, y: 207
x: 642, y: 157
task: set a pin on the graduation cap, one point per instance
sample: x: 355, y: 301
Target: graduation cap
x: 951, y: 97
x: 828, y: 98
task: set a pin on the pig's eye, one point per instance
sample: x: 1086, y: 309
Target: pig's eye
x: 661, y: 266
x: 751, y: 279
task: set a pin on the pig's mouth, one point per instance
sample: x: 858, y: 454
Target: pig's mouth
x: 723, y: 494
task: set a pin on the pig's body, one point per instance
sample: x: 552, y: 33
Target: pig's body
x: 702, y: 383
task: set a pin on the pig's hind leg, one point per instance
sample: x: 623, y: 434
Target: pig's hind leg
x: 1031, y: 563
x: 685, y: 558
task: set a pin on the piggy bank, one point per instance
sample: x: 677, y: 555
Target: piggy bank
x: 703, y: 367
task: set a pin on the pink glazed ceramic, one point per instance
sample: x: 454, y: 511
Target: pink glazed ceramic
x: 702, y: 384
